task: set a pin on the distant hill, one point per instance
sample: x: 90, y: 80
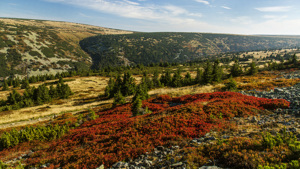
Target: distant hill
x: 41, y: 47
x: 145, y: 48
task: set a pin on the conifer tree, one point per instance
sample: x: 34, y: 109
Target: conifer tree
x: 53, y: 92
x: 16, y: 82
x: 236, y: 69
x: 177, y: 79
x: 136, y: 105
x: 155, y: 79
x: 14, y: 98
x: 25, y: 84
x: 208, y: 73
x: 253, y: 69
x: 128, y: 85
x: 188, y: 79
x: 294, y: 60
x: 166, y: 79
x: 109, y: 89
x: 217, y: 71
x: 5, y: 85
x: 118, y: 98
x: 231, y: 85
x: 146, y: 81
x: 199, y: 76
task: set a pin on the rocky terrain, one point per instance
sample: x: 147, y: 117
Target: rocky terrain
x: 273, y: 122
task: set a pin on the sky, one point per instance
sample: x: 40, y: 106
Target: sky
x: 274, y: 17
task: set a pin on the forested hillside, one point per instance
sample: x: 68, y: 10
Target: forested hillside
x: 145, y: 48
x: 44, y: 47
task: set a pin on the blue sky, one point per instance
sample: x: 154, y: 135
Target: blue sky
x: 216, y: 16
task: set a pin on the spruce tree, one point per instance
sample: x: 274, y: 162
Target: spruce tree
x: 136, y: 105
x: 208, y: 73
x: 14, y: 97
x: 217, y: 71
x: 4, y: 85
x: 177, y: 79
x: 155, y: 79
x: 231, y: 85
x: 166, y: 79
x: 16, y: 82
x: 253, y: 69
x: 25, y: 84
x: 188, y: 79
x: 53, y: 92
x: 199, y: 76
x: 128, y: 85
x: 109, y: 89
x: 236, y: 69
x: 118, y: 98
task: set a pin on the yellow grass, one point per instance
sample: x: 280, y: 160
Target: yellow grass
x: 83, y: 87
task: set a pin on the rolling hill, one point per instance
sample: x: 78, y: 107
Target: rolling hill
x: 145, y: 48
x: 42, y: 47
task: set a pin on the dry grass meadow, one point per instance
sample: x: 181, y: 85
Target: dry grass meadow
x: 86, y: 95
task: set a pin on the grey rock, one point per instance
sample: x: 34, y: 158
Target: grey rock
x: 120, y: 165
x: 210, y: 167
x: 177, y: 164
x: 101, y: 167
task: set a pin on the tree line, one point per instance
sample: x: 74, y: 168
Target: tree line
x: 41, y: 133
x: 124, y: 85
x: 35, y: 96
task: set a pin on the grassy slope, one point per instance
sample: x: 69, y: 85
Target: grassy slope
x: 44, y: 45
x: 148, y: 48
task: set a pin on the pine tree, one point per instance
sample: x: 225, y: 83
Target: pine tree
x: 109, y: 89
x: 53, y: 92
x: 294, y: 60
x: 25, y: 84
x: 166, y: 79
x: 128, y: 85
x: 155, y: 79
x: 217, y: 71
x: 5, y: 86
x: 136, y: 105
x: 14, y: 98
x: 253, y: 69
x: 177, y: 79
x: 41, y: 95
x: 236, y: 69
x: 146, y: 81
x: 208, y: 73
x: 231, y: 85
x: 199, y: 76
x: 141, y: 92
x: 118, y: 98
x: 16, y: 82
x: 188, y: 79
x: 66, y: 91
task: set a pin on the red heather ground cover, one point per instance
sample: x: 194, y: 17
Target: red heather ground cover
x: 116, y: 135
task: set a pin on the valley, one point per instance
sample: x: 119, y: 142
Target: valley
x: 146, y: 100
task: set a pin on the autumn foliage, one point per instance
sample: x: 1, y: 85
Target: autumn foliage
x: 116, y: 135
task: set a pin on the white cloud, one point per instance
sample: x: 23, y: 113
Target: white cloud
x: 274, y: 9
x: 175, y: 10
x: 130, y: 9
x: 203, y: 1
x: 225, y: 7
x: 131, y: 2
x: 196, y: 14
